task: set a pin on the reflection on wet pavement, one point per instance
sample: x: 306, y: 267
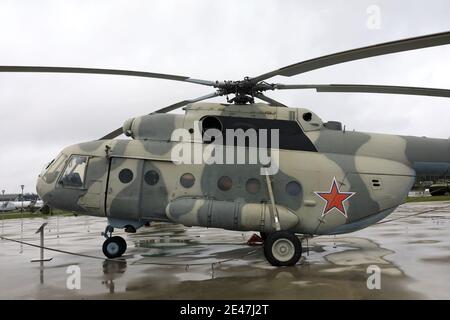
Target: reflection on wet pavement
x: 174, y: 262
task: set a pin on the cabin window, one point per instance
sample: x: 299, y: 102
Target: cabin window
x: 253, y: 185
x: 151, y: 177
x: 225, y: 183
x: 125, y: 175
x: 293, y: 188
x: 74, y: 174
x: 187, y: 180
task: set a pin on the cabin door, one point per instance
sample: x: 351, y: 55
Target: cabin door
x: 123, y: 194
x: 96, y: 173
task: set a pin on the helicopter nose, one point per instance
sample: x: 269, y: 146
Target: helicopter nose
x: 39, y: 186
x: 43, y: 190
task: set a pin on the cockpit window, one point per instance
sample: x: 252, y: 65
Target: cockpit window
x: 53, y: 169
x: 73, y: 176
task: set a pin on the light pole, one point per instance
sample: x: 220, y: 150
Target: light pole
x: 22, y: 186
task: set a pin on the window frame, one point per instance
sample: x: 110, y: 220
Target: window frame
x: 59, y: 182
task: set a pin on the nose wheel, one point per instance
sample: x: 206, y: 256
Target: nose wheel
x: 282, y: 248
x: 114, y: 247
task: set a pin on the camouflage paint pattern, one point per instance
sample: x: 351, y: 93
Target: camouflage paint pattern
x: 379, y: 168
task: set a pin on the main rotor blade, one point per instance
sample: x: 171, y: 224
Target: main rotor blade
x: 113, y: 134
x: 269, y: 100
x: 432, y: 40
x: 185, y: 102
x: 433, y: 92
x: 119, y: 131
x: 104, y: 71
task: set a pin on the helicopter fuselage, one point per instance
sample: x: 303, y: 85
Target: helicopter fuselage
x: 327, y: 180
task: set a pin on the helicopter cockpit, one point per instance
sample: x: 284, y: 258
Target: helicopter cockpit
x: 63, y: 180
x: 74, y: 174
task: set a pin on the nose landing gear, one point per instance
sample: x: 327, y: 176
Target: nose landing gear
x: 113, y: 247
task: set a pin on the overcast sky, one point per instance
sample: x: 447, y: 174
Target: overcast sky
x: 42, y: 113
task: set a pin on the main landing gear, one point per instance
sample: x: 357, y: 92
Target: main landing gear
x: 282, y: 248
x: 113, y: 247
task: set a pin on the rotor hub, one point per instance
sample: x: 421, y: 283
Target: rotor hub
x: 244, y: 91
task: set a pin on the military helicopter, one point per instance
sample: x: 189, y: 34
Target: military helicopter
x: 324, y: 181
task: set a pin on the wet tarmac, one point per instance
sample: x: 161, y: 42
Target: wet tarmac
x: 174, y: 262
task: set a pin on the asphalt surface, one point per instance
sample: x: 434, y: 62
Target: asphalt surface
x: 174, y: 262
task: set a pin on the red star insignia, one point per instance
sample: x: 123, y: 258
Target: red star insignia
x: 334, y: 198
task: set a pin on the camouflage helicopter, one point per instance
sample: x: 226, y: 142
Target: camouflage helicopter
x: 327, y: 180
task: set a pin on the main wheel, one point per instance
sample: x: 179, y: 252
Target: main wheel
x: 282, y: 248
x: 114, y: 247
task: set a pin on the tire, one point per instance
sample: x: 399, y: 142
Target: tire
x: 122, y: 244
x: 282, y: 248
x: 114, y: 247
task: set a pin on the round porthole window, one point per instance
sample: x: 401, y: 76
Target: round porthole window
x: 187, y: 180
x: 307, y: 116
x: 293, y: 188
x: 151, y: 177
x: 253, y: 185
x: 125, y: 175
x: 225, y: 183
